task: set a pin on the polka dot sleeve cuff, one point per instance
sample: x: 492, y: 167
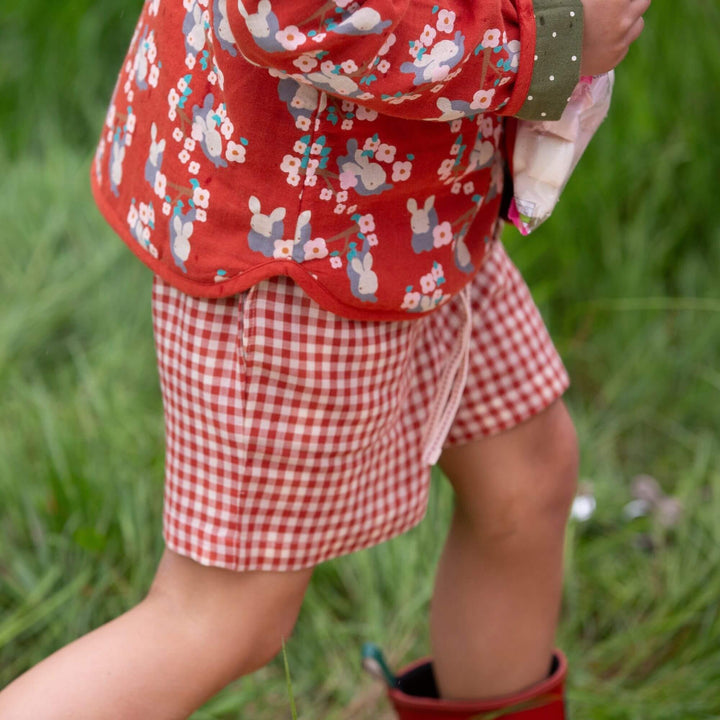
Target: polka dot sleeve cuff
x: 559, y: 28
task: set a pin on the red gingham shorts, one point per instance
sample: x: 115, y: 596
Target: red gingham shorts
x: 294, y: 435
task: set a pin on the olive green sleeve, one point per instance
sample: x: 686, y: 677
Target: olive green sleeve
x: 558, y: 46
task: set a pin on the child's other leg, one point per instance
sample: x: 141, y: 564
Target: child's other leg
x: 498, y: 588
x: 198, y: 629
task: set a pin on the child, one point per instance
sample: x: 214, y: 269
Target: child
x: 316, y: 186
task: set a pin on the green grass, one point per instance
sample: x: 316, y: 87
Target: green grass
x: 625, y: 272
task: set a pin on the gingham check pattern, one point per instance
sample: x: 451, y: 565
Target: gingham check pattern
x: 294, y: 435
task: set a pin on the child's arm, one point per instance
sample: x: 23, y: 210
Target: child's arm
x: 422, y: 60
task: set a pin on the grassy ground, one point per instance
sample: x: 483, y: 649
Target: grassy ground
x: 625, y: 273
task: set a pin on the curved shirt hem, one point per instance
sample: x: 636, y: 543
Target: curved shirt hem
x: 244, y: 280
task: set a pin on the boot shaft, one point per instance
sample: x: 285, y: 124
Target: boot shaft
x: 415, y: 697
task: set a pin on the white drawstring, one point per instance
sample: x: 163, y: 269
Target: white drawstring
x: 451, y: 387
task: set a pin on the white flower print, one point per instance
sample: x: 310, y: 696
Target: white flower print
x: 427, y: 283
x: 200, y: 215
x: 235, y: 152
x: 383, y: 66
x: 446, y: 167
x: 336, y: 262
x: 311, y: 180
x: 446, y: 21
x: 201, y: 197
x: 364, y: 113
x: 385, y: 153
x: 401, y: 171
x: 411, y: 300
x: 366, y: 223
x: 427, y: 35
x: 283, y: 249
x: 290, y: 164
x: 189, y: 144
x: 132, y: 216
x: 154, y: 76
x: 372, y: 239
x: 293, y: 179
x: 442, y: 234
x: 144, y: 213
x: 342, y: 196
x: 227, y: 128
x: 491, y: 38
x: 315, y: 249
x: 160, y: 186
x: 349, y: 66
x: 177, y: 134
x: 371, y: 144
x: 326, y: 194
x: 184, y: 156
x: 482, y: 99
x: 190, y: 61
x: 305, y: 63
x: 166, y: 208
x: 389, y: 42
x: 290, y: 38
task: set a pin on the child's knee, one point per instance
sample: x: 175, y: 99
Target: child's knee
x: 525, y: 479
x: 238, y: 619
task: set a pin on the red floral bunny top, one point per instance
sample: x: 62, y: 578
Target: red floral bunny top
x: 357, y: 147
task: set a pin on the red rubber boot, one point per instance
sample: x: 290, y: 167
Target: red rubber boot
x: 415, y: 697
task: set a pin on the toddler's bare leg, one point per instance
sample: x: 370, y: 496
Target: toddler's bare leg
x: 198, y: 629
x: 498, y: 588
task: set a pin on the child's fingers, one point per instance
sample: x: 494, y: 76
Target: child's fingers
x: 636, y: 30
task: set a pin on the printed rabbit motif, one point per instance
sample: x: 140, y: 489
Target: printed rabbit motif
x: 117, y: 156
x: 223, y: 31
x: 435, y: 65
x: 141, y: 66
x: 303, y: 234
x: 194, y: 30
x: 461, y: 253
x: 263, y: 25
x: 358, y: 172
x: 423, y: 222
x: 266, y: 229
x: 365, y: 21
x: 205, y: 131
x: 155, y: 156
x: 181, y: 230
x: 301, y: 100
x: 363, y: 280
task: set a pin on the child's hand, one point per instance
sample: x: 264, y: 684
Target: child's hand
x: 611, y: 26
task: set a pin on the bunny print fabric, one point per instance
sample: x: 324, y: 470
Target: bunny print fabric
x: 357, y: 147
